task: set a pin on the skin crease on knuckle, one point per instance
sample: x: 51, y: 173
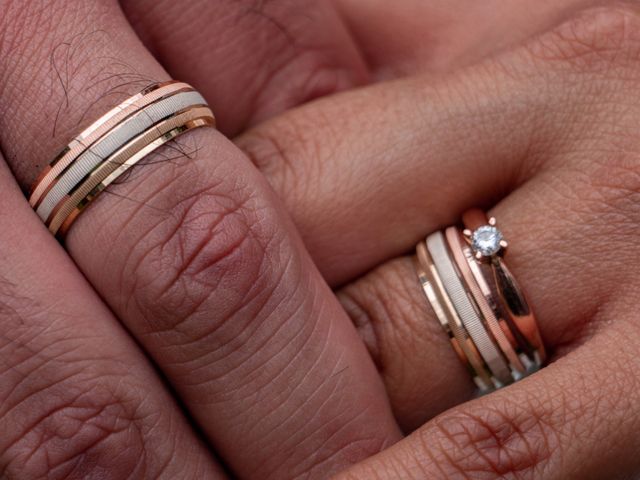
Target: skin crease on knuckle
x: 64, y: 415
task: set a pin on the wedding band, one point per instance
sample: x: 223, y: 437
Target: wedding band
x: 113, y: 144
x: 478, y: 302
x: 450, y: 320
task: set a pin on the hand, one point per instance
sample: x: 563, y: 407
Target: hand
x: 193, y: 253
x: 547, y: 132
x: 145, y: 315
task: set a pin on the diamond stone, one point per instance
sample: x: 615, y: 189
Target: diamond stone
x: 486, y: 240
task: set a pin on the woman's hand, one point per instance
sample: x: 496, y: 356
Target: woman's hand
x: 547, y: 132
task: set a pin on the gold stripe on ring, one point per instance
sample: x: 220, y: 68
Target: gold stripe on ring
x: 455, y: 244
x: 484, y: 276
x: 96, y: 131
x: 122, y: 133
x: 471, y: 318
x: 449, y: 319
x: 113, y: 167
x: 511, y: 298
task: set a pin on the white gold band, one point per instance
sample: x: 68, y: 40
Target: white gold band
x: 133, y: 126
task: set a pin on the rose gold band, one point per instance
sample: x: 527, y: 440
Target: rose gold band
x: 99, y: 179
x: 449, y: 319
x: 509, y: 295
x: 479, y: 304
x: 460, y: 256
x: 110, y: 146
x: 95, y: 131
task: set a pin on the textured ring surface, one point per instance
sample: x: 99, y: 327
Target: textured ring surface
x: 110, y: 146
x: 478, y: 302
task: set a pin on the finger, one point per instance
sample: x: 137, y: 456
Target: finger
x: 576, y: 419
x: 77, y: 397
x: 560, y: 250
x: 195, y: 256
x: 251, y: 59
x: 382, y: 171
x: 347, y: 179
x: 413, y: 36
x: 559, y: 207
x: 404, y: 338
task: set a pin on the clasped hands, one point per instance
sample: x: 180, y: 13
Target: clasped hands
x: 246, y: 304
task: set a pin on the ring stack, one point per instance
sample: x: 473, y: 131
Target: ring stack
x: 112, y: 145
x: 478, y: 302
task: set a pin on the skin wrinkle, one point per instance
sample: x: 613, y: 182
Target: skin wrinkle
x: 256, y: 392
x: 285, y: 425
x: 187, y: 260
x: 140, y: 204
x: 302, y: 45
x: 274, y: 333
x: 314, y: 417
x: 231, y: 369
x: 311, y: 394
x: 43, y: 424
x: 178, y: 229
x: 241, y: 364
x: 378, y: 445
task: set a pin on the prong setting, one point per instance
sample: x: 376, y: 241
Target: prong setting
x: 486, y: 241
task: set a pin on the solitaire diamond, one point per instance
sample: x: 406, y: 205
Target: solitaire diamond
x: 486, y: 240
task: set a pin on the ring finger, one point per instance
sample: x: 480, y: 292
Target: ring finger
x: 551, y: 252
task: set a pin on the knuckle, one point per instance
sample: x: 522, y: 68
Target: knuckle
x: 288, y: 151
x: 505, y: 441
x: 312, y: 74
x: 300, y: 55
x: 597, y: 39
x: 218, y: 245
x: 72, y: 429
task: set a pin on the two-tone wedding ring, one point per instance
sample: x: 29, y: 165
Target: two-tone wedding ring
x: 109, y: 147
x: 478, y: 302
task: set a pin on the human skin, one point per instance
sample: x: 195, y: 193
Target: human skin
x: 198, y: 259
x: 546, y: 133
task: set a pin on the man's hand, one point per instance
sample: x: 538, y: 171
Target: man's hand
x: 193, y: 253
